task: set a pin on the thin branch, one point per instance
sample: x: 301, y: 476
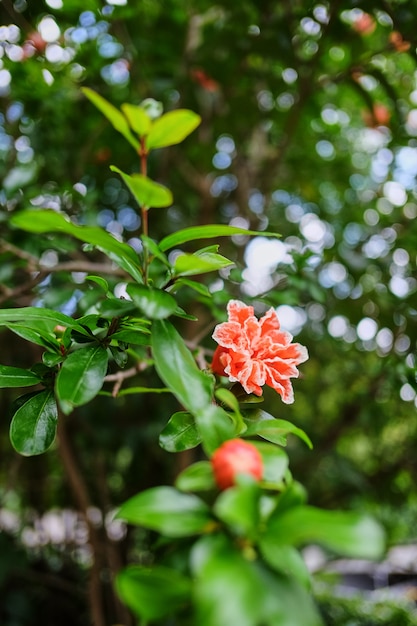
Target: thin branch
x: 34, y: 264
x: 10, y: 294
x: 6, y: 246
x: 195, y: 341
x: 84, y: 266
x: 119, y: 377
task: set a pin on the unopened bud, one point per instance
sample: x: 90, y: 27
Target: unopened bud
x: 235, y: 457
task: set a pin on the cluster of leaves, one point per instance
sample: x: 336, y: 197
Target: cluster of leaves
x: 245, y: 538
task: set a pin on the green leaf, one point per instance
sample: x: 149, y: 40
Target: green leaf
x: 154, y: 250
x: 180, y: 433
x: 129, y: 391
x: 229, y: 399
x: 16, y: 377
x: 172, y: 128
x: 81, y: 376
x: 179, y: 312
x: 287, y: 428
x: 34, y: 317
x: 256, y: 428
x: 154, y: 303
x: 212, y: 257
x: 146, y: 192
x: 348, y: 533
x: 168, y: 511
x: 47, y: 221
x: 41, y: 338
x: 193, y: 284
x: 192, y: 387
x: 196, y: 477
x: 275, y: 462
x: 139, y: 120
x: 138, y: 337
x: 177, y: 368
x: 234, y: 588
x: 285, y: 559
x: 275, y: 430
x: 101, y: 282
x: 136, y: 324
x: 152, y: 593
x: 33, y: 427
x: 191, y: 264
x: 210, y: 231
x: 51, y: 359
x: 91, y: 322
x: 115, y: 117
x: 294, y: 495
x: 238, y: 507
x: 115, y: 307
x: 215, y: 426
x: 119, y: 355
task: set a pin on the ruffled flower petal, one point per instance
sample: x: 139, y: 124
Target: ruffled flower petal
x: 256, y: 352
x: 239, y: 312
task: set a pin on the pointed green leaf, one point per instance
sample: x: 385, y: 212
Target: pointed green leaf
x: 168, y: 511
x: 285, y: 559
x: 193, y: 284
x: 81, y: 376
x: 139, y: 337
x: 152, y: 593
x: 154, y: 250
x: 179, y: 312
x: 191, y: 264
x: 196, y: 477
x: 178, y: 369
x: 172, y: 128
x: 288, y: 428
x: 180, y: 433
x: 154, y: 303
x: 17, y: 377
x: 33, y: 427
x: 115, y: 117
x: 41, y: 338
x: 275, y: 430
x: 115, y: 307
x: 238, y: 507
x: 101, y: 282
x: 192, y: 387
x: 294, y: 495
x: 129, y: 391
x: 229, y: 399
x: 119, y: 355
x: 348, y: 533
x: 210, y: 231
x: 51, y: 359
x: 139, y: 120
x: 275, y: 462
x: 34, y: 317
x: 215, y: 426
x: 146, y: 192
x: 48, y: 221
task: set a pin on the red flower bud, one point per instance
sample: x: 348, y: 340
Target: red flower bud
x: 235, y: 457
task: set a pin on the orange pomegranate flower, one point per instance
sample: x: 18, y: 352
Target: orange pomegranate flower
x: 256, y: 352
